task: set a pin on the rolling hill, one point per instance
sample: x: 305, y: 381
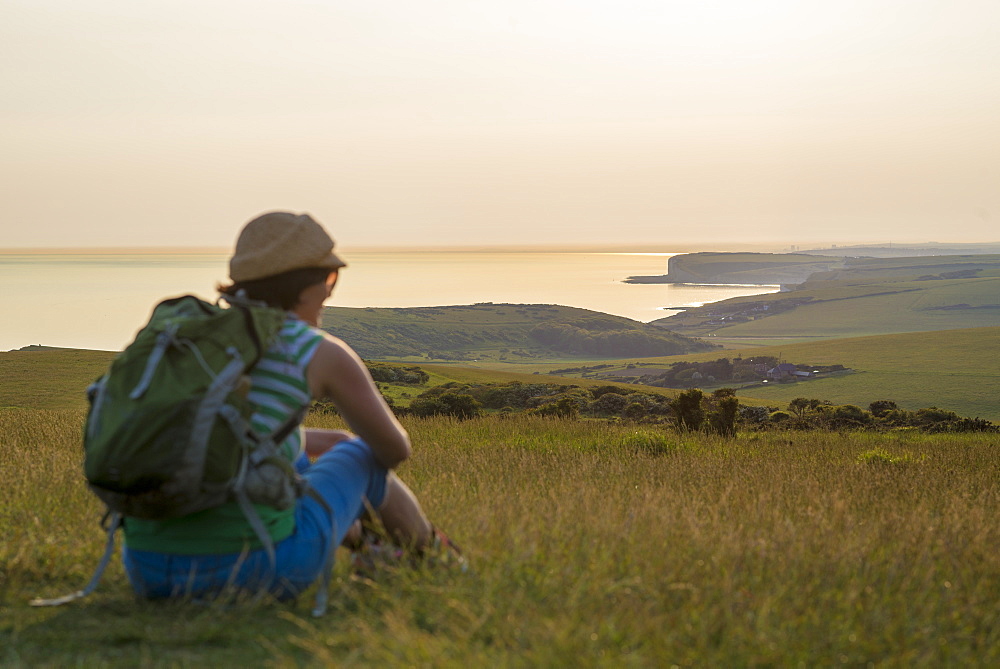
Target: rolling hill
x: 500, y: 332
x: 867, y: 296
x: 956, y: 370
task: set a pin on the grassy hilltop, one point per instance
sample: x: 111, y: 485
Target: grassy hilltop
x: 499, y: 332
x: 867, y: 296
x: 592, y: 543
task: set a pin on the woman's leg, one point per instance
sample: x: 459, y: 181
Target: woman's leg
x: 350, y: 480
x: 402, y: 516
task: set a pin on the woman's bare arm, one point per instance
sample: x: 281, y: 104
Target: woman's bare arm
x: 338, y: 374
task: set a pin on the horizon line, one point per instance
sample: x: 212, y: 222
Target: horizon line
x: 638, y: 247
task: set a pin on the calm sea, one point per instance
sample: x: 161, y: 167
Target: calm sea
x: 98, y: 301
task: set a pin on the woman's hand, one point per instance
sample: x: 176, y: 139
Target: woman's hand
x: 319, y: 441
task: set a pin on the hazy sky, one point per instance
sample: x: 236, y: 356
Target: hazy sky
x: 500, y: 122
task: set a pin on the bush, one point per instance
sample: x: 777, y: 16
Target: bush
x: 514, y: 394
x: 754, y: 416
x: 635, y: 411
x: 428, y: 406
x: 609, y: 403
x: 880, y: 408
x: 395, y: 374
x: 779, y: 417
x: 688, y: 410
x: 847, y: 416
x: 565, y: 407
x: 723, y: 419
x: 459, y: 405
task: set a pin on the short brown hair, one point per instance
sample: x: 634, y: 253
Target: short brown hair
x: 280, y: 290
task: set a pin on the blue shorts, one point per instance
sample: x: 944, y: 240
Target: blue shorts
x: 344, y: 476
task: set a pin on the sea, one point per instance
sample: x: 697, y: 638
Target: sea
x: 98, y: 300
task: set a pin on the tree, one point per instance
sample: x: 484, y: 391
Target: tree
x: 880, y: 408
x: 800, y: 406
x: 723, y: 419
x: 688, y: 410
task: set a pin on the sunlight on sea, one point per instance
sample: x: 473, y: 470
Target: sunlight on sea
x: 99, y: 300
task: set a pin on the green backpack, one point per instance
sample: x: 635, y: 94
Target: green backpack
x: 168, y: 431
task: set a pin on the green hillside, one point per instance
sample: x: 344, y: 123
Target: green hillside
x: 499, y: 332
x: 868, y: 296
x: 50, y: 379
x: 958, y: 370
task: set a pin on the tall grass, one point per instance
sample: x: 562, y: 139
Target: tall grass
x: 590, y: 544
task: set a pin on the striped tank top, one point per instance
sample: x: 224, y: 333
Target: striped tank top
x: 278, y: 388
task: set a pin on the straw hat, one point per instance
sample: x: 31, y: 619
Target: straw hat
x: 278, y: 242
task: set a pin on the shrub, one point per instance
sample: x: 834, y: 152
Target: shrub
x: 635, y: 411
x: 395, y: 374
x: 459, y: 405
x: 723, y: 419
x: 564, y: 407
x: 609, y: 403
x: 880, y: 408
x: 688, y: 410
x: 428, y: 406
x: 754, y: 416
x: 847, y: 416
x: 779, y: 417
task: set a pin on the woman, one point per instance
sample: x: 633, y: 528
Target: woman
x: 287, y: 261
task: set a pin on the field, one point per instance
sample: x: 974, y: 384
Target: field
x: 870, y: 296
x: 958, y: 370
x: 590, y: 544
x: 52, y: 379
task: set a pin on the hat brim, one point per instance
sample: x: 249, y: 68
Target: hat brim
x: 333, y: 261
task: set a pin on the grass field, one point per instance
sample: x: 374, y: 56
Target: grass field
x: 590, y: 544
x: 870, y: 296
x: 50, y: 379
x: 958, y: 370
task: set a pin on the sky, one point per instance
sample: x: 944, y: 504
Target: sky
x: 443, y: 122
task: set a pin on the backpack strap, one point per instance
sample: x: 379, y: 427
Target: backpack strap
x: 262, y: 534
x: 114, y: 521
x: 322, y: 600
